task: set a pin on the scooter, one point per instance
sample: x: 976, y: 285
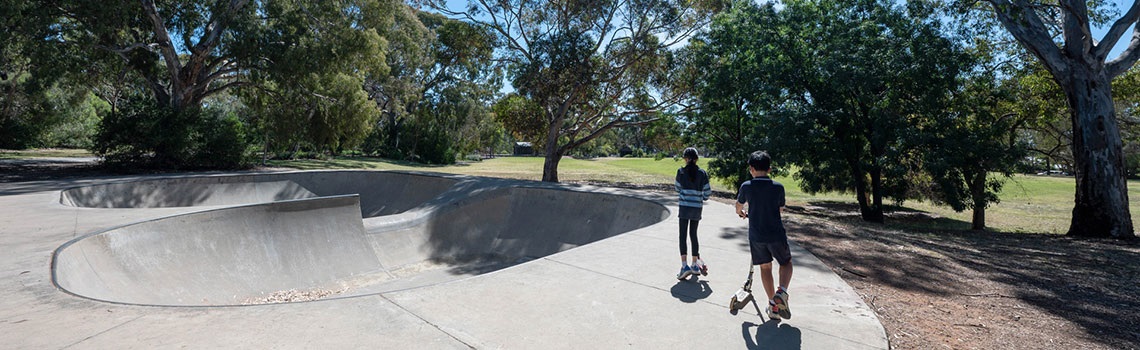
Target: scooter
x: 743, y: 296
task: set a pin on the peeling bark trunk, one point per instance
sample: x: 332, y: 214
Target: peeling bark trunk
x: 1102, y: 193
x: 1080, y: 69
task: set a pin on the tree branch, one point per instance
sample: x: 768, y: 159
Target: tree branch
x: 210, y: 92
x: 166, y: 47
x: 1121, y: 64
x: 1075, y: 26
x: 596, y: 133
x: 216, y: 27
x: 1105, y: 45
x: 1022, y: 21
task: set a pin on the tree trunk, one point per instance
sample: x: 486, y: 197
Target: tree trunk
x: 553, y: 152
x: 550, y: 166
x: 875, y: 213
x: 1102, y: 192
x: 867, y: 210
x: 979, y: 200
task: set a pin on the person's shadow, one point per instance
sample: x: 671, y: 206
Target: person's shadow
x: 690, y: 291
x: 771, y: 335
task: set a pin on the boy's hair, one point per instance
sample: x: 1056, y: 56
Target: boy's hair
x: 760, y: 160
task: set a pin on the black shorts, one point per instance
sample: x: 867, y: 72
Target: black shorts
x: 763, y: 252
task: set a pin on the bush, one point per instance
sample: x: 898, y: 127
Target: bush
x: 223, y: 143
x: 143, y: 134
x: 435, y: 147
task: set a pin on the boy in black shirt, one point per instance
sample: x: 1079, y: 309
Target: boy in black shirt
x: 766, y: 236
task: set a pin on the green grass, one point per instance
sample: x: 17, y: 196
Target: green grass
x: 1029, y: 203
x: 1038, y: 204
x: 44, y: 153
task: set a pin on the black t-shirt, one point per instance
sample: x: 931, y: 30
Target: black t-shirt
x: 764, y: 198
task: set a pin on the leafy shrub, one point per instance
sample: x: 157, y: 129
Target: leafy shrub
x: 142, y: 134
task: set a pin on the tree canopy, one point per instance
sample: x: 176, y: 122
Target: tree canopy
x: 589, y: 66
x: 839, y: 89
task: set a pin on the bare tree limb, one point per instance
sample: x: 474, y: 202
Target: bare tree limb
x: 1117, y: 30
x: 166, y: 47
x: 600, y: 131
x: 1122, y: 63
x: 1021, y: 19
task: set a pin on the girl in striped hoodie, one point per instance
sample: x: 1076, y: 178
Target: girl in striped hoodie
x: 692, y: 185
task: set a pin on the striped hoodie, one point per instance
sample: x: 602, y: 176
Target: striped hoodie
x: 692, y: 192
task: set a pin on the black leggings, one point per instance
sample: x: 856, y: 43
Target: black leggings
x: 685, y: 226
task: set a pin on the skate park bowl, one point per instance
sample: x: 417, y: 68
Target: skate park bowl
x: 320, y: 235
x: 385, y: 193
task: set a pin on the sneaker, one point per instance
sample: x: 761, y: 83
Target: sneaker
x: 685, y: 272
x: 781, y: 299
x: 700, y: 266
x: 773, y: 312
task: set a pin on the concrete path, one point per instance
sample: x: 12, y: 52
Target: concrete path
x: 615, y: 292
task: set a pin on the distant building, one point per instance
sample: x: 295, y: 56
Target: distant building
x: 524, y: 149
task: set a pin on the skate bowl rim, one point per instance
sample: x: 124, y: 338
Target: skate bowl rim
x: 420, y: 215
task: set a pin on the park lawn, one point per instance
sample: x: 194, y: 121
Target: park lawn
x: 44, y: 153
x: 1041, y: 204
x: 1029, y: 203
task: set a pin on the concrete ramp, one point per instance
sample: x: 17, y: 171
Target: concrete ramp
x: 252, y: 253
x: 220, y: 257
x: 510, y: 222
x: 381, y: 193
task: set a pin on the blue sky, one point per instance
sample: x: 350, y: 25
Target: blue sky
x: 1098, y: 32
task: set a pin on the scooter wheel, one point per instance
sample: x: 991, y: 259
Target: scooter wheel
x: 732, y: 306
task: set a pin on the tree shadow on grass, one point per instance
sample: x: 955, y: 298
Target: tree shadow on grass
x: 895, y: 216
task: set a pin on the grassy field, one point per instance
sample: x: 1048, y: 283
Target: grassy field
x: 41, y: 153
x: 1029, y: 203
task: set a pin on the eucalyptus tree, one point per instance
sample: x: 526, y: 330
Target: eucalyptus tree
x: 588, y: 65
x: 1126, y: 92
x: 442, y: 79
x: 1058, y: 33
x: 177, y: 54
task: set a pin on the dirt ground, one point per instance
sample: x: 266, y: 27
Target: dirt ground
x: 934, y: 289
x: 979, y: 290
